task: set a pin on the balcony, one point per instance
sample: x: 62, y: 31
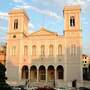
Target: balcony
x: 46, y: 59
x: 42, y: 59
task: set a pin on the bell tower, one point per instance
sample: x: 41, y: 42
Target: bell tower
x: 18, y: 22
x: 17, y: 29
x: 73, y: 42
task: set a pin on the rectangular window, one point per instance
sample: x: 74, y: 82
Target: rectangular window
x: 13, y: 50
x: 42, y: 77
x: 72, y: 21
x: 25, y: 50
x: 42, y: 50
x: 85, y: 57
x: 51, y: 50
x: 33, y: 50
x: 73, y: 50
x: 85, y: 61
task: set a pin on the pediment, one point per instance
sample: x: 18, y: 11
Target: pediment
x: 43, y: 32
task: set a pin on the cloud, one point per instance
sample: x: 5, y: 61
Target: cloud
x: 3, y: 14
x: 2, y: 38
x: 84, y: 4
x: 4, y: 18
x: 30, y: 25
x: 42, y: 11
x: 50, y: 13
x: 75, y: 2
x: 17, y: 1
x: 88, y: 0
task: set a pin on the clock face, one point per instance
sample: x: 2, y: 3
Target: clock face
x: 14, y: 36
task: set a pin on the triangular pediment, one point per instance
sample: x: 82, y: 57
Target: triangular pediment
x: 43, y: 32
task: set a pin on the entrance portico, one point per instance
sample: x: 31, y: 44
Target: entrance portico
x: 43, y: 74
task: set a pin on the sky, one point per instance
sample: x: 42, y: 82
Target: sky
x: 48, y: 14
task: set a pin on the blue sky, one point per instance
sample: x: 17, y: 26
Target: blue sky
x: 46, y: 13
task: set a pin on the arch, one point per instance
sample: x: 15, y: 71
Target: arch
x: 60, y: 72
x: 42, y: 73
x: 25, y: 72
x: 16, y: 24
x: 72, y: 21
x: 34, y: 50
x: 51, y: 73
x: 33, y: 73
x: 51, y: 50
x: 59, y: 49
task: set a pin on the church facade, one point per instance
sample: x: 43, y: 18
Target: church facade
x: 44, y: 57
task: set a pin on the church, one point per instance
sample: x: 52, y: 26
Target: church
x: 44, y: 57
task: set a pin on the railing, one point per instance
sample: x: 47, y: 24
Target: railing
x: 39, y: 59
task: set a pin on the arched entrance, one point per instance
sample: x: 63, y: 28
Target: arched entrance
x: 51, y: 73
x: 33, y: 73
x: 25, y: 71
x: 42, y: 73
x: 60, y: 72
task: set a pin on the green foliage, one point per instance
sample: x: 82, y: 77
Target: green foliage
x: 3, y: 78
x: 2, y: 73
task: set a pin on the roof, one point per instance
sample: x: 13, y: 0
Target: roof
x: 84, y: 55
x: 43, y: 32
x: 72, y: 7
x: 19, y: 11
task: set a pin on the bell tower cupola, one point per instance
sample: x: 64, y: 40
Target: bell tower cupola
x: 71, y: 18
x: 18, y: 21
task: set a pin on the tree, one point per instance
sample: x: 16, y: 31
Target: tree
x: 3, y: 78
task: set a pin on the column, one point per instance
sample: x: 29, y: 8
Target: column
x: 37, y: 75
x: 55, y: 75
x: 19, y: 74
x: 29, y: 75
x: 46, y: 75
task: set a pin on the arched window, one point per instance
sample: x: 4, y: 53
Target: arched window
x: 51, y: 50
x: 14, y: 50
x: 72, y: 21
x: 33, y: 50
x: 59, y: 50
x: 25, y: 50
x: 73, y: 49
x: 42, y: 50
x: 16, y: 24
